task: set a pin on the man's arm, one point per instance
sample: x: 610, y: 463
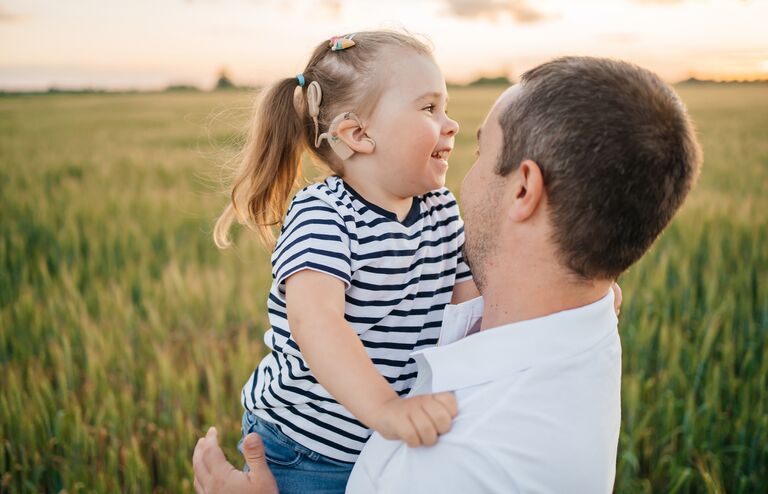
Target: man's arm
x: 444, y: 467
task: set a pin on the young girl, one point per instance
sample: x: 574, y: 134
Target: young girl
x: 365, y: 261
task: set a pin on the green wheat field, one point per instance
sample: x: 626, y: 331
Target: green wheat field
x: 125, y: 333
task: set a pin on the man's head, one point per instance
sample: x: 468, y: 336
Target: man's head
x: 605, y: 148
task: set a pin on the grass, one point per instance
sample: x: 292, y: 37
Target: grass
x: 124, y: 332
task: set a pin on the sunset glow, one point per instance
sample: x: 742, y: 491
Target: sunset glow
x: 150, y: 44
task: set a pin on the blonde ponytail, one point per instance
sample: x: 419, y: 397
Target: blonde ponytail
x: 270, y: 167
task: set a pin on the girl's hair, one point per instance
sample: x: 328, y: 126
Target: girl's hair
x: 281, y: 131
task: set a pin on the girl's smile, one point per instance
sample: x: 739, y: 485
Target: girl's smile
x: 414, y: 135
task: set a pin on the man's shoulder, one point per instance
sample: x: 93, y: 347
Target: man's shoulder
x: 561, y: 416
x: 516, y: 448
x: 545, y: 429
x: 448, y: 466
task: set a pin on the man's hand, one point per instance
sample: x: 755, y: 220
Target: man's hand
x: 214, y: 474
x: 616, y: 298
x: 418, y: 420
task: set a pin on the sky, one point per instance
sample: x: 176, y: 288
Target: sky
x: 149, y: 44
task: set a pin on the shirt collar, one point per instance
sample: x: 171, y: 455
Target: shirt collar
x: 414, y: 214
x: 460, y: 361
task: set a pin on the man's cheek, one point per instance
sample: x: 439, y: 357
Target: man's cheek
x: 464, y: 188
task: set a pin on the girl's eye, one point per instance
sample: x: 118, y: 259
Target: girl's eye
x: 430, y: 108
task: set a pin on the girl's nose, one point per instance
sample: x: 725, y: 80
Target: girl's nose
x: 451, y: 127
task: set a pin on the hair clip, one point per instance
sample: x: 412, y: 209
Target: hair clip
x: 300, y: 78
x: 339, y: 43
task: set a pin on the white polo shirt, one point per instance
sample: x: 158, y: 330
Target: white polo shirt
x: 539, y: 408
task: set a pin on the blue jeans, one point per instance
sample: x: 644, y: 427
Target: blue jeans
x: 297, y: 469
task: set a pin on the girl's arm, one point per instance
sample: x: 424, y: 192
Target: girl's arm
x: 466, y: 290
x: 337, y: 358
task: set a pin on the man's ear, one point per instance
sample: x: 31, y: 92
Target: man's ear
x: 351, y: 133
x: 527, y: 191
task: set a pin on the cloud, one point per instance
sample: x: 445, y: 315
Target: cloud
x: 674, y: 2
x: 620, y: 38
x: 333, y: 8
x: 518, y: 9
x: 660, y: 2
x: 6, y: 16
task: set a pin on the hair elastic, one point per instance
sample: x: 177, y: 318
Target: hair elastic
x: 300, y: 77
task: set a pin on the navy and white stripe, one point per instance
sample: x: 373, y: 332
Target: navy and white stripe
x: 398, y: 275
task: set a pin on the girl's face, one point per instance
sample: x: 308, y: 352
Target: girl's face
x: 414, y: 135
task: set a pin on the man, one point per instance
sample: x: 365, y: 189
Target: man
x: 580, y: 167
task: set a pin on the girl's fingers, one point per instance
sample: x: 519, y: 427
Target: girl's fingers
x: 406, y: 432
x: 616, y: 298
x: 424, y: 427
x: 441, y: 418
x: 448, y: 401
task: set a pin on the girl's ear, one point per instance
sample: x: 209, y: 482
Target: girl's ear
x: 352, y: 133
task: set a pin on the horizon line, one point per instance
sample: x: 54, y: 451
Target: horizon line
x: 181, y: 87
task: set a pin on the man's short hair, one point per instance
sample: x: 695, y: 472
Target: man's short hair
x: 617, y: 151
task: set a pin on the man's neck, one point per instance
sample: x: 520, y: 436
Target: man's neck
x: 535, y: 290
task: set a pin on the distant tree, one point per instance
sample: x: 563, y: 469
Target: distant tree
x: 700, y: 82
x: 693, y: 80
x: 224, y: 82
x: 181, y: 88
x: 492, y: 81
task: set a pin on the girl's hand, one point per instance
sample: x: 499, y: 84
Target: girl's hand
x: 466, y: 290
x: 418, y: 420
x: 616, y: 298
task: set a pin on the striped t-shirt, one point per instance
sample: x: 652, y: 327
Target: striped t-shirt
x: 398, y: 275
